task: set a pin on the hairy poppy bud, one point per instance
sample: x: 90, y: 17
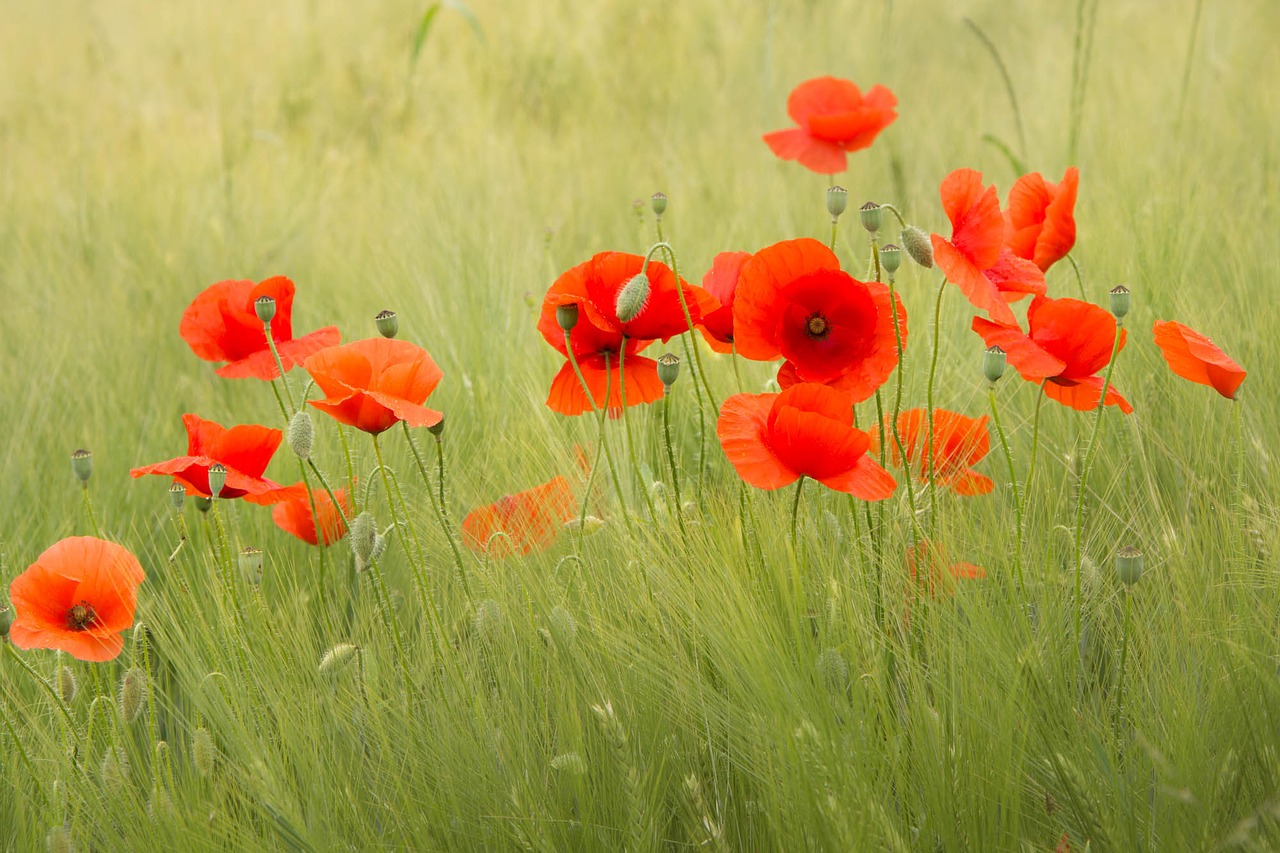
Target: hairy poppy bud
x: 379, y: 546
x: 388, y: 323
x: 837, y: 201
x: 567, y: 316
x: 916, y: 242
x: 251, y: 565
x: 1120, y: 301
x: 668, y: 369
x: 82, y: 465
x: 300, y: 434
x: 993, y: 364
x: 362, y: 533
x: 202, y: 503
x: 1129, y: 565
x: 632, y: 298
x: 67, y: 685
x: 217, y: 478
x: 6, y: 619
x: 133, y: 693
x: 265, y: 307
x: 437, y: 428
x: 659, y: 203
x: 203, y: 752
x: 872, y: 216
x: 890, y: 258
x: 114, y: 770
x: 337, y: 658
x: 177, y: 495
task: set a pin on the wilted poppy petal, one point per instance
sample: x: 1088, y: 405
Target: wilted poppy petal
x: 1194, y: 357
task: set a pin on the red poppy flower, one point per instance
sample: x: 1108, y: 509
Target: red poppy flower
x: 530, y: 521
x: 221, y: 325
x: 976, y: 258
x: 931, y: 557
x: 807, y: 430
x: 959, y: 442
x: 374, y: 384
x: 293, y: 515
x: 1193, y: 356
x: 1041, y: 218
x: 243, y: 450
x: 1069, y: 342
x: 834, y: 117
x: 794, y: 301
x: 721, y: 284
x: 78, y: 596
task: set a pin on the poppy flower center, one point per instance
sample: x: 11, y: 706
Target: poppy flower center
x: 817, y: 327
x: 81, y: 616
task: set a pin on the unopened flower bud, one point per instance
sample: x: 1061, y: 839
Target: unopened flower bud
x: 659, y: 203
x: 890, y: 258
x: 300, y: 434
x: 1129, y: 565
x: 632, y: 298
x: 567, y: 316
x: 251, y: 561
x: 388, y: 323
x: 379, y: 546
x: 668, y: 369
x: 993, y: 364
x: 217, y: 478
x: 265, y: 308
x: 437, y: 428
x: 362, y: 533
x: 1121, y: 299
x: 337, y: 658
x: 133, y: 694
x: 872, y: 216
x: 916, y: 242
x: 837, y: 201
x: 82, y: 465
x: 203, y: 752
x: 6, y: 619
x: 202, y: 503
x: 177, y: 495
x: 67, y: 685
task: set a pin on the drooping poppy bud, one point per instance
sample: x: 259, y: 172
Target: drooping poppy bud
x: 872, y: 216
x: 388, y: 323
x: 82, y: 465
x: 67, y: 685
x: 265, y: 307
x: 993, y: 364
x: 300, y: 434
x: 1121, y: 299
x: 203, y: 752
x: 837, y: 201
x: 916, y: 242
x: 362, y: 533
x: 133, y: 694
x: 337, y: 658
x: 632, y: 298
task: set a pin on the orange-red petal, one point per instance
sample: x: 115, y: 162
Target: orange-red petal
x: 1194, y: 357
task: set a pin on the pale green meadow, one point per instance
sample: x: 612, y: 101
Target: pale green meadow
x: 636, y: 688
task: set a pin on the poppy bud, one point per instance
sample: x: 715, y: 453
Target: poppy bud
x: 916, y: 242
x: 1120, y: 301
x: 436, y: 428
x: 203, y: 752
x: 387, y: 322
x: 337, y: 658
x: 993, y: 364
x: 133, y: 693
x: 1129, y: 565
x: 202, y: 503
x: 632, y: 298
x: 872, y: 216
x: 563, y: 626
x: 265, y: 307
x: 890, y: 258
x: 833, y: 670
x: 67, y: 685
x: 379, y: 546
x: 567, y: 316
x: 82, y: 465
x: 114, y: 770
x: 177, y: 495
x: 217, y: 478
x: 837, y: 201
x: 300, y: 434
x: 668, y: 369
x: 6, y: 619
x: 362, y: 533
x: 251, y: 565
x: 659, y: 204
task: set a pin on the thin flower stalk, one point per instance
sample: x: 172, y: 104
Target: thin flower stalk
x: 626, y: 429
x: 671, y: 460
x: 1013, y: 484
x: 440, y: 514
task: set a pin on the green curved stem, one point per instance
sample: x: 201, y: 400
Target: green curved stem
x: 671, y: 460
x: 440, y: 513
x: 626, y: 430
x: 1013, y: 482
x: 928, y: 410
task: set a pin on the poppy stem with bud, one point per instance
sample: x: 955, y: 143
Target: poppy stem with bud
x: 265, y: 306
x: 440, y: 511
x: 1013, y: 484
x: 626, y: 430
x: 928, y: 410
x: 668, y: 370
x: 600, y: 412
x: 82, y: 467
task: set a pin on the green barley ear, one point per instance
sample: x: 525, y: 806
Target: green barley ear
x: 203, y: 752
x: 337, y: 658
x: 133, y: 694
x: 301, y: 434
x: 58, y: 840
x: 489, y: 620
x: 82, y: 465
x: 632, y: 298
x: 388, y: 323
x: 916, y: 242
x: 570, y: 763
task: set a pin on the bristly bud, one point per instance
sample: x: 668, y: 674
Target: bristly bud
x: 993, y: 364
x: 1129, y: 565
x: 67, y: 685
x: 300, y: 434
x: 202, y: 503
x: 6, y: 619
x: 114, y: 770
x: 659, y: 203
x: 437, y: 428
x: 890, y: 258
x: 82, y: 465
x: 833, y: 670
x: 265, y: 307
x: 872, y: 216
x: 133, y: 694
x: 203, y: 752
x: 217, y: 478
x: 668, y: 369
x: 916, y: 242
x: 379, y: 546
x: 362, y: 533
x: 1121, y: 299
x: 177, y: 495
x: 837, y: 201
x: 388, y: 323
x: 251, y: 561
x: 567, y: 316
x: 337, y: 658
x: 632, y: 298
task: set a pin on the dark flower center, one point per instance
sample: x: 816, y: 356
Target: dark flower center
x: 81, y: 616
x: 817, y: 327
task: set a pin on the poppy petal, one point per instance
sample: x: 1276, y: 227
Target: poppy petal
x: 867, y: 481
x: 1026, y: 356
x: 742, y: 429
x: 1196, y: 358
x: 981, y: 291
x: 1082, y: 394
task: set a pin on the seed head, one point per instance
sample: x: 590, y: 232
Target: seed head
x: 1129, y: 565
x: 265, y: 307
x: 251, y: 561
x: 202, y: 503
x: 437, y: 428
x: 890, y: 258
x: 82, y: 465
x: 177, y: 495
x: 872, y: 216
x: 993, y: 364
x: 217, y: 478
x: 388, y: 323
x: 659, y: 203
x: 567, y: 316
x: 668, y: 369
x: 1121, y: 299
x: 837, y: 201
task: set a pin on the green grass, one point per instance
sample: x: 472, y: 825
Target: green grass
x: 149, y: 150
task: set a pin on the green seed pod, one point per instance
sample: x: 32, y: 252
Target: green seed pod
x: 890, y: 258
x: 563, y: 626
x: 388, y: 323
x: 202, y: 503
x: 659, y: 203
x: 437, y: 428
x: 833, y: 671
x: 872, y: 216
x: 265, y: 308
x: 251, y: 561
x: 837, y: 201
x: 993, y: 364
x: 362, y: 533
x: 337, y: 658
x: 133, y: 694
x: 567, y: 316
x: 6, y: 619
x: 668, y: 369
x: 177, y: 496
x: 300, y: 434
x: 632, y: 298
x: 82, y: 465
x: 1129, y: 565
x: 916, y: 242
x: 1121, y: 299
x: 217, y: 478
x: 67, y: 685
x: 203, y: 752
